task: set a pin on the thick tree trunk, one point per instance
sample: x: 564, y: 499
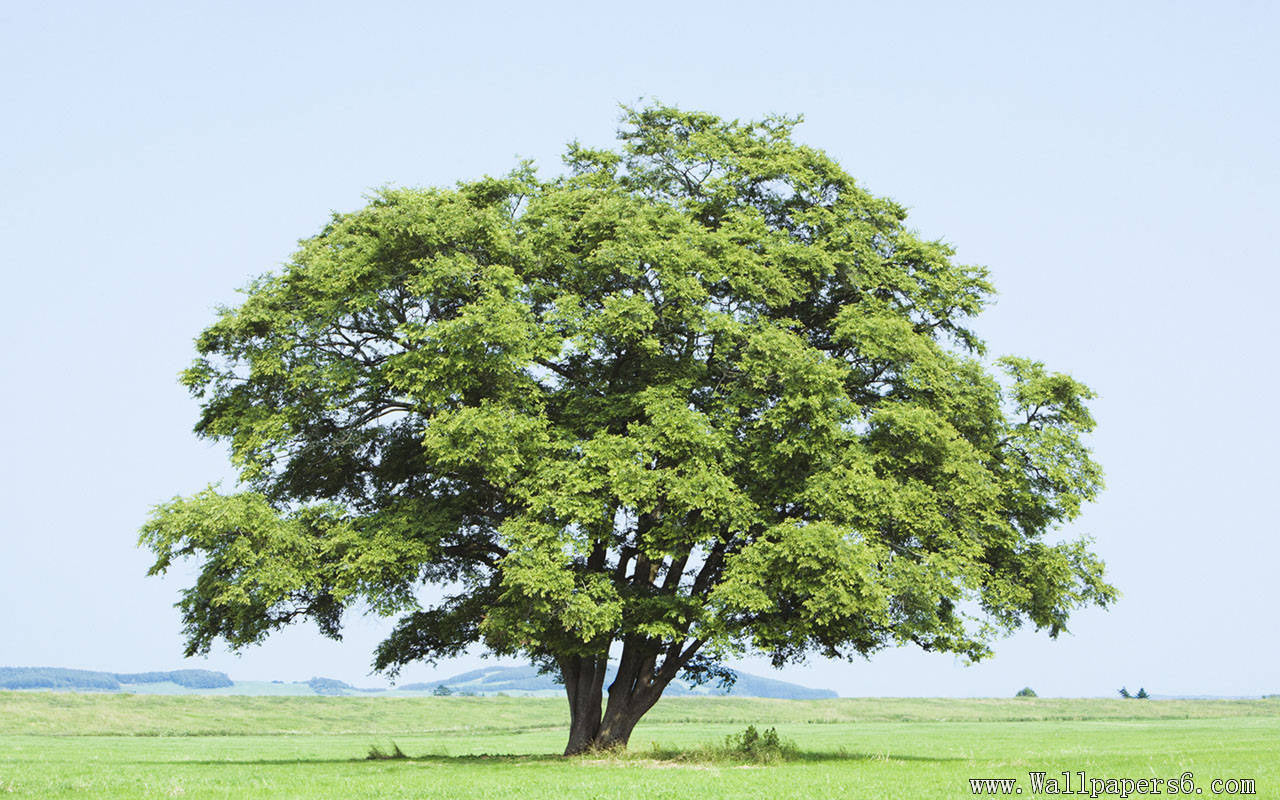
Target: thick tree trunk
x: 634, y: 690
x: 583, y: 681
x: 616, y: 727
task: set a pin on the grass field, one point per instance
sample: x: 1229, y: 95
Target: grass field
x: 127, y: 746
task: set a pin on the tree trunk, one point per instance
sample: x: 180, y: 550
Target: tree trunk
x: 616, y: 727
x: 583, y: 681
x: 634, y: 690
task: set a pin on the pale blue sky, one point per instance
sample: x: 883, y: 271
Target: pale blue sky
x: 1116, y: 168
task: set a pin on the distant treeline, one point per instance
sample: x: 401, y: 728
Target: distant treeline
x: 92, y: 680
x: 335, y: 688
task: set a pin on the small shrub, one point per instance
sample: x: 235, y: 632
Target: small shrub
x: 1026, y: 691
x: 752, y: 745
x: 1142, y: 694
x: 442, y: 691
x: 378, y: 754
x: 1125, y: 693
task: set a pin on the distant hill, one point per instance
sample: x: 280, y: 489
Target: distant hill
x: 332, y: 686
x: 486, y: 681
x: 91, y: 680
x: 527, y: 680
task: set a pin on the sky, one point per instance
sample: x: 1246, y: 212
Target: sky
x: 1115, y: 166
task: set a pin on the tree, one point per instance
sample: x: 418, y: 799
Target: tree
x: 1026, y: 691
x: 1142, y: 694
x: 1125, y: 693
x: 697, y: 396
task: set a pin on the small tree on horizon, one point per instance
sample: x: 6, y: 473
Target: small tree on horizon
x: 1026, y: 691
x: 1125, y: 693
x: 701, y: 395
x: 1142, y: 694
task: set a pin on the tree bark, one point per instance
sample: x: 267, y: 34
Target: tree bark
x: 621, y: 715
x: 635, y: 690
x: 583, y: 681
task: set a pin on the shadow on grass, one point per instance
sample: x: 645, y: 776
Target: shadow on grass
x: 699, y: 756
x: 666, y: 757
x: 425, y: 759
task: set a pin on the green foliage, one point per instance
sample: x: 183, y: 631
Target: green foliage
x: 442, y: 691
x: 1026, y: 691
x: 1125, y: 693
x: 700, y: 395
x: 1142, y: 694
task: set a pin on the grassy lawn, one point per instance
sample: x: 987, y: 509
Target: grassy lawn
x: 89, y: 745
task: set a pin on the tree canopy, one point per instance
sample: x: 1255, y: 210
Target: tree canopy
x: 696, y: 396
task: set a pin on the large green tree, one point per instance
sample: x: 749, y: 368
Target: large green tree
x: 698, y: 396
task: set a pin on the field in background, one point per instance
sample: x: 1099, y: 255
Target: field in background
x: 127, y: 746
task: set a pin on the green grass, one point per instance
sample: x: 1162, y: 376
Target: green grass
x: 127, y: 746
